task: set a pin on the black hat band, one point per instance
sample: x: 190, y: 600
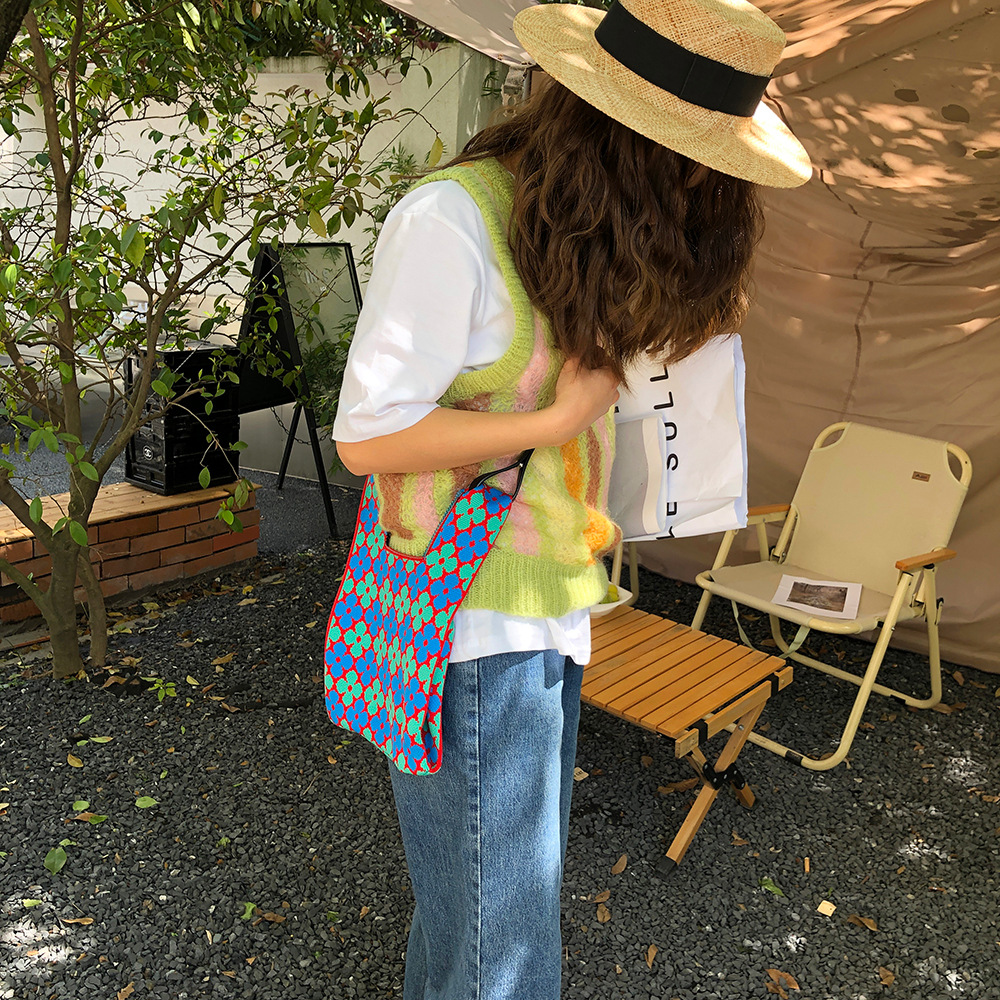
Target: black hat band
x: 662, y: 62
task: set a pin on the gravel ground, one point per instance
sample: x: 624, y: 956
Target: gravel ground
x: 271, y: 865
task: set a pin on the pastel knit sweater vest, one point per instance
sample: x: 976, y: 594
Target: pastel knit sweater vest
x: 546, y: 560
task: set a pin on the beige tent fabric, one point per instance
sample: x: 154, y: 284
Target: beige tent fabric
x: 878, y: 283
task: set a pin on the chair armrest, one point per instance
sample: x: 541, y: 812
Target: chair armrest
x: 767, y: 512
x: 927, y: 559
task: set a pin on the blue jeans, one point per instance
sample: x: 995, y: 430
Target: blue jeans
x: 485, y: 837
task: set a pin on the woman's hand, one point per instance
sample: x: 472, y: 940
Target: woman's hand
x: 583, y: 396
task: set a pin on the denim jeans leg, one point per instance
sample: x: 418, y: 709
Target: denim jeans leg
x: 572, y: 682
x: 485, y: 836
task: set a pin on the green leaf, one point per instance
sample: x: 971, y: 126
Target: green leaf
x: 247, y: 913
x: 130, y: 233
x: 10, y: 276
x: 217, y: 203
x: 95, y: 819
x: 145, y: 802
x: 54, y: 860
x: 209, y: 406
x: 326, y: 13
x: 101, y: 739
x: 161, y: 388
x: 226, y: 515
x: 118, y: 9
x: 35, y: 510
x: 80, y: 805
x: 204, y: 478
x: 49, y: 440
x: 29, y: 903
x: 771, y: 886
x: 78, y: 533
x: 89, y: 471
x: 136, y: 250
x: 316, y: 224
x: 436, y: 152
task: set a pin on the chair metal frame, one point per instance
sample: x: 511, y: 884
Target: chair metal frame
x: 915, y: 596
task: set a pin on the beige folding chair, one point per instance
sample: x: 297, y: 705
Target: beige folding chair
x: 874, y: 507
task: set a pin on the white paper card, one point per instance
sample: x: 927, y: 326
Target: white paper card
x: 823, y: 598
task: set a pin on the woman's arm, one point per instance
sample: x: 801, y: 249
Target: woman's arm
x: 446, y: 438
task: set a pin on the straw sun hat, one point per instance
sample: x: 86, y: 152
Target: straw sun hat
x: 688, y: 74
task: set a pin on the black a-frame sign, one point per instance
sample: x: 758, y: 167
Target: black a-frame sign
x: 269, y: 323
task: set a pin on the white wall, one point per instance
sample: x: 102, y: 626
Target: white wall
x: 451, y: 106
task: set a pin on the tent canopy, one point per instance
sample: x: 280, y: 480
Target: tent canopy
x: 878, y: 283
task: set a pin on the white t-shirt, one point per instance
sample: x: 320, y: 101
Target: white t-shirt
x: 437, y: 305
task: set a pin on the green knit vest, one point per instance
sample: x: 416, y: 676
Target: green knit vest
x: 546, y: 560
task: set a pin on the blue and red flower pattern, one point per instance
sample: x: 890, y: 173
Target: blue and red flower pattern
x: 390, y: 630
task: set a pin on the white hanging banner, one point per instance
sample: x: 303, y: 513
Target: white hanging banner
x: 681, y: 457
x: 485, y: 25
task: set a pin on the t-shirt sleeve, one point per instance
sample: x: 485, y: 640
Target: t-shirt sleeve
x: 423, y: 297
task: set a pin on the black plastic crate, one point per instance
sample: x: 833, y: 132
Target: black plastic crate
x: 167, y: 454
x: 186, y: 365
x: 163, y: 470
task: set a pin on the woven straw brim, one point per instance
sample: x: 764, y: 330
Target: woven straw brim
x: 560, y: 38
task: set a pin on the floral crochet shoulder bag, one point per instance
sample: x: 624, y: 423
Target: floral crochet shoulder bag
x: 391, y: 627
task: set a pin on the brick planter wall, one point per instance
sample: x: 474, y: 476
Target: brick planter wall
x: 137, y: 540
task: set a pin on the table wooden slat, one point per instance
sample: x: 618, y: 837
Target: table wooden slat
x: 620, y: 625
x: 665, y: 676
x: 735, y: 676
x: 631, y: 639
x: 648, y: 651
x: 674, y: 665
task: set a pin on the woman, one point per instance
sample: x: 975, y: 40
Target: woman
x: 510, y: 292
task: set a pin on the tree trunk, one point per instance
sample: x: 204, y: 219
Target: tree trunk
x: 60, y: 616
x: 11, y: 15
x: 96, y: 612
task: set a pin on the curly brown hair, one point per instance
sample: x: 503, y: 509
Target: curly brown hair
x: 627, y: 246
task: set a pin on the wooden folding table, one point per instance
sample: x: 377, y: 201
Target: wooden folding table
x: 688, y: 686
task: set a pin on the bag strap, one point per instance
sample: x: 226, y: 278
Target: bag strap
x: 521, y: 463
x: 496, y: 500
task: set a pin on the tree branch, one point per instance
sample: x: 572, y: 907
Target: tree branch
x: 30, y: 588
x: 74, y: 116
x: 96, y: 611
x: 11, y: 15
x: 19, y: 508
x: 47, y: 92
